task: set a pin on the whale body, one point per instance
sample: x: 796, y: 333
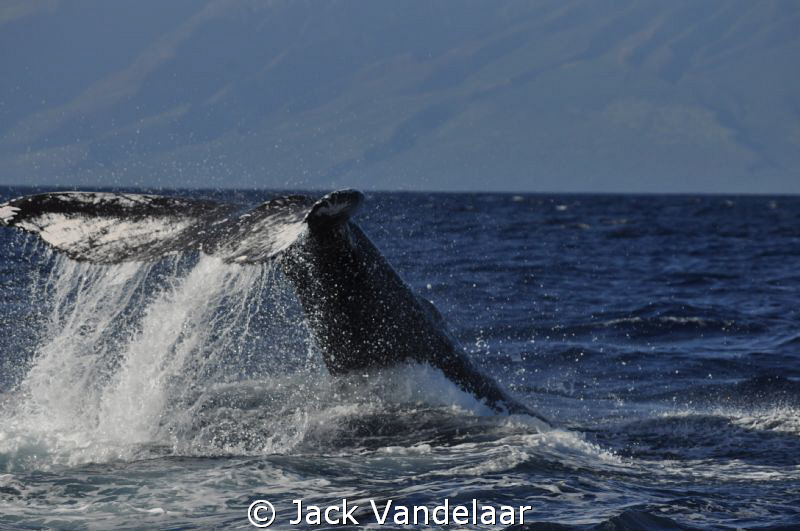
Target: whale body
x: 362, y: 315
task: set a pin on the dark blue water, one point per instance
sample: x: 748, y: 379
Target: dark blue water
x: 659, y: 333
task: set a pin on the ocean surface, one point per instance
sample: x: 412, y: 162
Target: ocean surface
x: 660, y: 334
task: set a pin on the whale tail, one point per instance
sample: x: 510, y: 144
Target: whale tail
x: 360, y: 310
x: 108, y: 228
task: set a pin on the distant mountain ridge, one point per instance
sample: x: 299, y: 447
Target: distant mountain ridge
x: 552, y: 95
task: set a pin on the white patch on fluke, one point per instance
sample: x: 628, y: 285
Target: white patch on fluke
x: 7, y: 213
x: 103, y: 238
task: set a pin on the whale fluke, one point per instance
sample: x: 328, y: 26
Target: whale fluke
x: 108, y: 228
x: 362, y: 314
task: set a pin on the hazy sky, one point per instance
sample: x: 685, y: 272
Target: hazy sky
x: 567, y: 95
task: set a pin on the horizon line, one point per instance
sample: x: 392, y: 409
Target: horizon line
x: 75, y: 187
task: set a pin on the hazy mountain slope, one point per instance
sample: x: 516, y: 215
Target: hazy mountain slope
x: 469, y: 95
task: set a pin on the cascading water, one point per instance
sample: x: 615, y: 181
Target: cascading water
x: 124, y: 347
x: 187, y: 356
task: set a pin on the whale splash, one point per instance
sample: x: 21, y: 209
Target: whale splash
x: 187, y: 356
x: 193, y: 352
